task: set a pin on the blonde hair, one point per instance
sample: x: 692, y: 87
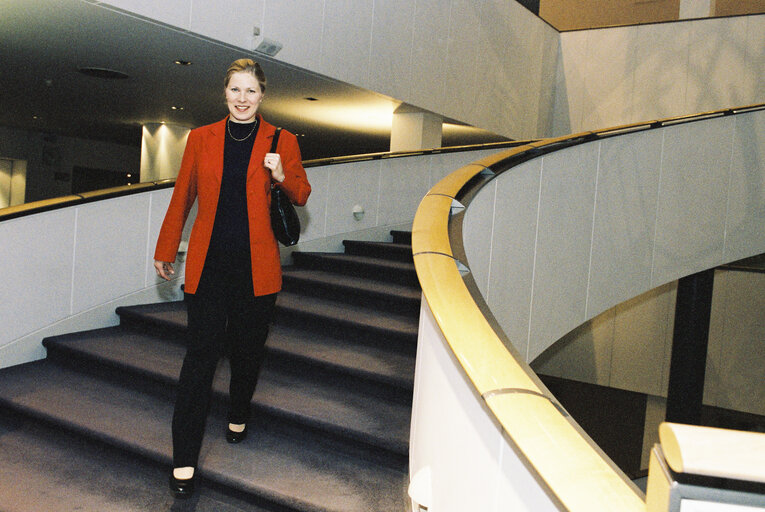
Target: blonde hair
x: 247, y: 66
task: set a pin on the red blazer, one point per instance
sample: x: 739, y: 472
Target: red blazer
x: 199, y: 179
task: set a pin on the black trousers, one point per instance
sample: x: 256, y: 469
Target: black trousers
x: 223, y: 313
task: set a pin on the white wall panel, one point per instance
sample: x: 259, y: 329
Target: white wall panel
x: 429, y: 46
x: 111, y: 253
x: 173, y: 12
x: 296, y: 24
x: 583, y: 354
x: 231, y: 21
x: 517, y: 489
x: 6, y: 170
x: 425, y: 53
x: 745, y: 226
x: 719, y: 75
x: 477, y: 230
x: 496, y: 87
x: 736, y: 353
x: 36, y: 255
x: 159, y: 203
x: 512, y: 267
x: 679, y: 68
x: 563, y: 244
x: 609, y: 77
x: 547, y: 42
x: 661, y: 69
x: 313, y: 216
x: 460, y: 68
x: 478, y: 471
x: 346, y: 46
x: 643, y: 341
x: 569, y: 85
x: 390, y: 70
x: 690, y: 221
x: 520, y: 40
x: 405, y: 182
x: 349, y: 185
x: 755, y: 46
x: 625, y: 214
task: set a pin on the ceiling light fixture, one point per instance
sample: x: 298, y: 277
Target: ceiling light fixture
x: 103, y: 73
x: 311, y: 98
x: 181, y: 62
x: 267, y: 46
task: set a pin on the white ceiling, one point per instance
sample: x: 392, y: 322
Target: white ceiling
x: 44, y: 42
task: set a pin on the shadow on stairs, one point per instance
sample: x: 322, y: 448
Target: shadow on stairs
x: 88, y: 428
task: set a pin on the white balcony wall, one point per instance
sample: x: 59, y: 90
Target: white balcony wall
x: 68, y: 269
x: 594, y: 227
x: 433, y: 54
x: 615, y: 76
x: 492, y: 63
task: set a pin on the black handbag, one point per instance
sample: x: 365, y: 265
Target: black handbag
x: 284, y: 219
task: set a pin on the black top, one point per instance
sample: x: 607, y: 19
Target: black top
x: 230, y: 241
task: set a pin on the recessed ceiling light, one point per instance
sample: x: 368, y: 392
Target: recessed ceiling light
x: 176, y: 108
x: 183, y: 62
x: 105, y: 73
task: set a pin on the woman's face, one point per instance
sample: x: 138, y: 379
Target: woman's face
x: 243, y: 97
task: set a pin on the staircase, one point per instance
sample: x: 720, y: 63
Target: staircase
x: 330, y: 415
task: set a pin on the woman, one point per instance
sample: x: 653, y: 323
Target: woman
x: 232, y: 270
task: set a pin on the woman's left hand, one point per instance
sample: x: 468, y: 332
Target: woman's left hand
x: 273, y: 162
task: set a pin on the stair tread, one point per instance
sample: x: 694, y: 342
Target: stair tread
x: 348, y: 281
x: 105, y: 480
x: 382, y: 249
x: 172, y: 314
x: 369, y: 260
x: 389, y: 364
x: 330, y: 404
x: 377, y: 362
x: 284, y: 469
x: 402, y: 324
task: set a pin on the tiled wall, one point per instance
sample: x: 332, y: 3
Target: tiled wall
x: 68, y: 269
x: 562, y: 238
x: 610, y: 77
x: 490, y: 63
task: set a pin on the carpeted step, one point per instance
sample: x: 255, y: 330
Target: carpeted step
x: 378, y: 364
x: 363, y: 266
x: 46, y: 469
x: 371, y: 293
x: 355, y: 323
x: 383, y: 250
x: 356, y: 418
x: 268, y: 466
x: 401, y: 237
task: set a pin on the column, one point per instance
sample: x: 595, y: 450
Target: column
x: 689, y: 348
x: 690, y: 9
x: 162, y: 148
x: 413, y: 130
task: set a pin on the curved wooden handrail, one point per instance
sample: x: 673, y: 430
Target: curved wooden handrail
x: 575, y: 472
x: 45, y: 205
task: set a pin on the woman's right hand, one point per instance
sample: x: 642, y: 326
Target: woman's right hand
x: 164, y: 269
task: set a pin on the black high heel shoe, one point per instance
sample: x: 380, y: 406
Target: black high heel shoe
x: 181, y: 488
x: 236, y: 437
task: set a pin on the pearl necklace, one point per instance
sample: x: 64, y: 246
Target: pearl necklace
x: 228, y: 126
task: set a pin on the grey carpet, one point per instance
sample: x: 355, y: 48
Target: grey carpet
x: 331, y: 410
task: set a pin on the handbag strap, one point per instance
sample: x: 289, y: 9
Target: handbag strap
x: 275, y: 140
x: 274, y: 144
